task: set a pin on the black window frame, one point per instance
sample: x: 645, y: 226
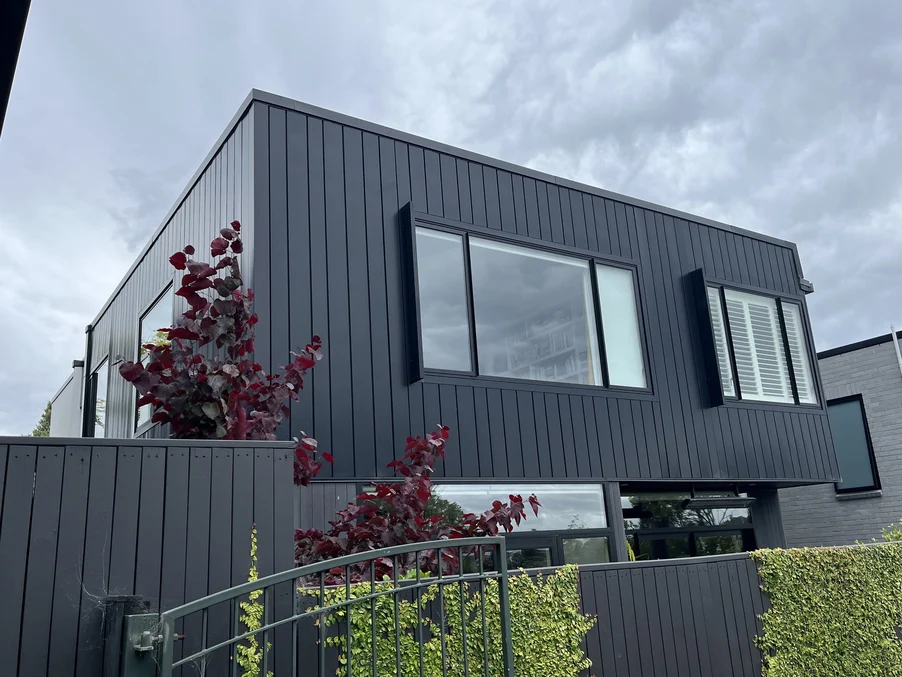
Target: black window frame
x: 701, y: 283
x: 138, y: 430
x: 551, y: 538
x: 634, y: 536
x: 876, y: 486
x: 411, y: 220
x: 744, y: 529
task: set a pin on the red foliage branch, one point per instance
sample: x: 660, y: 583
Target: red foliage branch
x: 393, y: 514
x: 227, y: 396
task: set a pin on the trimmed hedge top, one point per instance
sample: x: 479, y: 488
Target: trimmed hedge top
x: 835, y: 612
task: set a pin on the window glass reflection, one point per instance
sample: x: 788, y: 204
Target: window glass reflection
x: 534, y: 314
x: 443, y: 300
x: 664, y: 548
x: 620, y: 323
x: 663, y: 510
x: 154, y: 320
x: 564, y: 506
x: 591, y: 550
x: 100, y: 397
x: 527, y: 558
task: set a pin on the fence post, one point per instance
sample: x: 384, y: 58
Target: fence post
x: 115, y: 609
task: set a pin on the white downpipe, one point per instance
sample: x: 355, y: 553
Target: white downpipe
x: 892, y: 330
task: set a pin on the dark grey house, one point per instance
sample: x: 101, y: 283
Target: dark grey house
x: 648, y: 373
x: 863, y: 388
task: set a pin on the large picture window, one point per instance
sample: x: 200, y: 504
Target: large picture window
x: 852, y: 441
x: 571, y: 527
x: 157, y: 317
x: 534, y: 314
x: 508, y: 310
x: 760, y: 346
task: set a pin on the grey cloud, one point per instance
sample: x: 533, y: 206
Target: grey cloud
x: 775, y: 116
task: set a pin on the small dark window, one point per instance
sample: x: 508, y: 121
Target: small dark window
x: 99, y: 381
x: 852, y: 441
x: 156, y: 318
x: 661, y: 526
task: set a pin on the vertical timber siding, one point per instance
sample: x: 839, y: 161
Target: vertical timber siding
x: 694, y: 617
x: 221, y: 193
x: 332, y: 191
x: 169, y: 521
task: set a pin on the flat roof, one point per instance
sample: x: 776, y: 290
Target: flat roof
x: 381, y: 130
x: 858, y: 345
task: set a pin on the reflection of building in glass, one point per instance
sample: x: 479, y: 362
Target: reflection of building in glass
x: 549, y: 345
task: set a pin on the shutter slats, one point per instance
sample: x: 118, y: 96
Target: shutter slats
x: 801, y: 367
x: 757, y: 346
x: 720, y: 342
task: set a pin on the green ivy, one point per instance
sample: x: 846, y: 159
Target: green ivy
x: 250, y: 655
x: 835, y: 612
x: 547, y: 628
x: 893, y: 532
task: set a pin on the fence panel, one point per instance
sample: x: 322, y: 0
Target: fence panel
x: 81, y: 519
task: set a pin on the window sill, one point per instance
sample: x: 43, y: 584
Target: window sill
x: 502, y: 383
x: 860, y: 495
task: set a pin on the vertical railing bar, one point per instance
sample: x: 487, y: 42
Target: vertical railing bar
x: 294, y: 628
x: 419, y: 614
x: 166, y: 652
x: 485, y: 630
x: 373, y: 612
x: 321, y: 621
x: 267, y: 598
x: 348, y: 651
x: 463, y: 607
x: 236, y: 630
x: 441, y: 614
x: 395, y: 594
x: 203, y: 630
x: 507, y: 650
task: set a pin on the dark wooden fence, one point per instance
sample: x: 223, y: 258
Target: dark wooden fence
x: 167, y: 520
x: 695, y: 617
x: 170, y: 521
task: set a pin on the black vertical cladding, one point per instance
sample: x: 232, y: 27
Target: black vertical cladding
x: 321, y: 389
x: 279, y: 310
x: 321, y: 201
x: 298, y: 309
x: 359, y: 304
x: 340, y: 358
x: 383, y: 440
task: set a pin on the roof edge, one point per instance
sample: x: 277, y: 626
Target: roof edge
x: 382, y: 130
x: 227, y: 132
x: 858, y: 345
x: 340, y: 118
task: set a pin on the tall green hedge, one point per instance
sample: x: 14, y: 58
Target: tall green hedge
x: 547, y: 628
x: 835, y: 612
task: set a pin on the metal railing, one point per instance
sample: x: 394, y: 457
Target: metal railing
x: 410, y: 615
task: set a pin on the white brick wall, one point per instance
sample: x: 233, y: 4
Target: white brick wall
x: 814, y: 515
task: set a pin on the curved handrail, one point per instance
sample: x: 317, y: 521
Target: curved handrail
x: 325, y: 566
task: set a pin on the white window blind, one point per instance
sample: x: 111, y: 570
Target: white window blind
x: 758, y: 347
x: 720, y: 342
x: 801, y: 367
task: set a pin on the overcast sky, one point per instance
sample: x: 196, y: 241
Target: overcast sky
x: 780, y: 117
